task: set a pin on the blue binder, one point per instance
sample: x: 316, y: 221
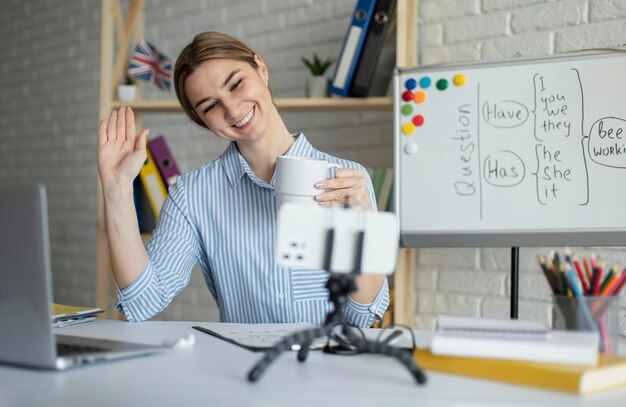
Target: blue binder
x: 352, y: 46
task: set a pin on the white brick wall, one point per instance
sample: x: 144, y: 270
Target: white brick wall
x: 49, y: 108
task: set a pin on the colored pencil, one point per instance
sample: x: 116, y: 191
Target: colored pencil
x: 548, y: 274
x: 608, y: 287
x: 596, y: 284
x: 588, y: 270
x: 604, y: 336
x: 581, y: 301
x: 606, y: 280
x: 592, y: 260
x: 620, y: 283
x: 583, y: 280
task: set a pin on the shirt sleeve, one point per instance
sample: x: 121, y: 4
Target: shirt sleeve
x: 362, y: 315
x: 172, y: 252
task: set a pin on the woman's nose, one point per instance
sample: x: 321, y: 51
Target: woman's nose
x: 230, y: 109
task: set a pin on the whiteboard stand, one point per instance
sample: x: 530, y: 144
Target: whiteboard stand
x: 514, y: 281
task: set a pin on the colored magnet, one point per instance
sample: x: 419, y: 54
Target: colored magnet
x: 420, y: 96
x: 407, y: 96
x: 459, y: 79
x: 410, y: 148
x: 442, y: 84
x: 407, y: 110
x: 408, y: 128
x: 425, y: 82
x: 418, y: 120
x: 410, y: 84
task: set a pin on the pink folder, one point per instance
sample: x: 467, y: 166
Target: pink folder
x: 164, y: 159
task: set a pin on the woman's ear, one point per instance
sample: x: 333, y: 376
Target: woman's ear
x: 261, y: 67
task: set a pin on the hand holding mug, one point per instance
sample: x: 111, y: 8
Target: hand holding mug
x: 348, y: 187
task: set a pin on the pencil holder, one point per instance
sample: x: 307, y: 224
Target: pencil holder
x: 589, y: 313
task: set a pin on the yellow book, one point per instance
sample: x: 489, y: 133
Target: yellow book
x: 64, y: 315
x: 153, y: 184
x: 609, y: 373
x: 61, y: 310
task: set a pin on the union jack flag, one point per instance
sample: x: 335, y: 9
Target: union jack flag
x: 150, y: 65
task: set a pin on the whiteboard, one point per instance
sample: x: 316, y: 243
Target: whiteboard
x: 516, y: 153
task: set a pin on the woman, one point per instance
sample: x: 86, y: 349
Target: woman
x: 223, y: 214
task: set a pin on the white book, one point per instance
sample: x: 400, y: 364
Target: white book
x: 492, y: 328
x: 564, y: 347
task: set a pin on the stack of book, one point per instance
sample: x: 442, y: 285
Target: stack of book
x: 66, y: 315
x: 522, y: 352
x: 157, y: 174
x: 358, y: 62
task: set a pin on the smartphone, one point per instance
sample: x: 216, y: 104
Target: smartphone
x: 308, y: 236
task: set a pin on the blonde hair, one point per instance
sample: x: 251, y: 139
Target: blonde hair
x: 205, y: 46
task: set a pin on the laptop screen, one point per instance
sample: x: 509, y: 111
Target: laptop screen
x: 25, y: 277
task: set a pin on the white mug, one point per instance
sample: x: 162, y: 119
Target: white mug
x: 296, y: 177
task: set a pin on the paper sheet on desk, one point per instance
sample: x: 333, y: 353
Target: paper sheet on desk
x: 257, y: 336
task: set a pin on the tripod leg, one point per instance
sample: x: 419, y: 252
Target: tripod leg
x: 304, y: 351
x: 302, y: 337
x: 401, y: 355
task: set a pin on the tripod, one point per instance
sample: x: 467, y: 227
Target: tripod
x: 339, y: 286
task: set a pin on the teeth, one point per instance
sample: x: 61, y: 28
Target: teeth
x: 245, y: 119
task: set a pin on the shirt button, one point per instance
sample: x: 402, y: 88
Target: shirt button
x: 281, y: 296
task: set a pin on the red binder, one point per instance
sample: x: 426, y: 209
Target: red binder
x: 164, y: 159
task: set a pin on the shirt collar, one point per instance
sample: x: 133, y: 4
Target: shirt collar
x: 236, y: 166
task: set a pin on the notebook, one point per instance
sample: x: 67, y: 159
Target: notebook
x: 491, y: 328
x: 26, y: 291
x: 514, y: 340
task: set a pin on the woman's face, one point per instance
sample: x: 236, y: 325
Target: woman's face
x: 232, y: 98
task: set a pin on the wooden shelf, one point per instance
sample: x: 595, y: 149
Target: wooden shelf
x: 380, y: 104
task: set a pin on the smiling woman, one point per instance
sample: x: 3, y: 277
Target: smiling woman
x: 222, y: 215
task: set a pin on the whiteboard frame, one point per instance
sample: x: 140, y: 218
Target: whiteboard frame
x: 495, y: 238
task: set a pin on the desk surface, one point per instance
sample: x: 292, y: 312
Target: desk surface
x: 213, y: 372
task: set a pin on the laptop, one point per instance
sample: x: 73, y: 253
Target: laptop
x: 26, y: 292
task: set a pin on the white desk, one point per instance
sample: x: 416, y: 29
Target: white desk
x: 213, y: 373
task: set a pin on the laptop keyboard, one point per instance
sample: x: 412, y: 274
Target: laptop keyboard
x: 66, y: 350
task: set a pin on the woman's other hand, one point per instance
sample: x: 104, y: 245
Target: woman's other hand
x: 121, y: 152
x: 348, y: 187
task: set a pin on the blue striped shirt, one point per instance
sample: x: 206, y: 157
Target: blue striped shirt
x: 223, y: 217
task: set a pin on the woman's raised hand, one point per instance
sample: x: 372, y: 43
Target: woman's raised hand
x: 121, y: 151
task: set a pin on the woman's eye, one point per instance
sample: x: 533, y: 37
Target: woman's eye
x: 236, y: 85
x: 210, y: 107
